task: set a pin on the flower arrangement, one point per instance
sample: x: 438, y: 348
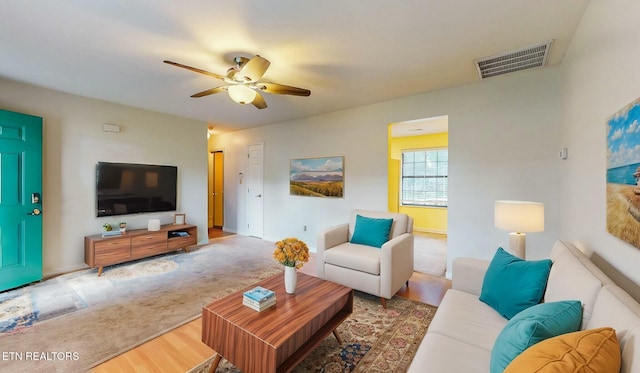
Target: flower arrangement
x: 291, y: 252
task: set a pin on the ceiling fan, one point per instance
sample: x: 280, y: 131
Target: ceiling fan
x: 242, y: 82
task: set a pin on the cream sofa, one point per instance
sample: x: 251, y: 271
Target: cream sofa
x: 463, y: 331
x: 377, y: 271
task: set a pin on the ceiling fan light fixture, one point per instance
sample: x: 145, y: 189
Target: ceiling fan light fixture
x: 243, y: 82
x: 241, y: 94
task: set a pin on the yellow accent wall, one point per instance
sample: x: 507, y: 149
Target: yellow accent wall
x: 427, y: 219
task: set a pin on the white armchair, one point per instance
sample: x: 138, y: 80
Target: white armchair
x: 378, y: 271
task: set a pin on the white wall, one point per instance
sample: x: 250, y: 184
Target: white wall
x: 503, y: 144
x: 328, y: 135
x: 503, y: 141
x: 74, y: 143
x: 600, y: 75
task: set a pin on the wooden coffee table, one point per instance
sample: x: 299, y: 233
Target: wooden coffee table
x: 279, y: 338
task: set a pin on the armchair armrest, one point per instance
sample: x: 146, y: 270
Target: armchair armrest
x: 396, y: 264
x: 468, y: 274
x: 327, y: 239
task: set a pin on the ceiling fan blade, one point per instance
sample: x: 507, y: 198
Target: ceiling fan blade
x: 281, y: 89
x: 194, y: 69
x: 254, y: 68
x: 259, y: 101
x: 211, y: 91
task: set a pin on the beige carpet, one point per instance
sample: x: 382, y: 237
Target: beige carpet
x: 430, y: 253
x: 130, y: 304
x: 374, y: 339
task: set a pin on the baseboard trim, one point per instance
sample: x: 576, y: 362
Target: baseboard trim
x: 427, y: 230
x: 64, y: 270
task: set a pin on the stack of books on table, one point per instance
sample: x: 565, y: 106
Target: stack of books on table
x: 259, y: 298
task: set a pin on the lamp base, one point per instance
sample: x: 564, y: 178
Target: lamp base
x: 517, y: 244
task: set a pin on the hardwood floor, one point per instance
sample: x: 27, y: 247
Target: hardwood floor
x: 217, y: 232
x: 182, y: 349
x: 176, y: 351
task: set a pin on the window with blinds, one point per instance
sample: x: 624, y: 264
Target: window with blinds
x: 425, y: 177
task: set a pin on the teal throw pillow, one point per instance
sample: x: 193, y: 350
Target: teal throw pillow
x: 371, y: 231
x: 512, y: 284
x: 533, y: 325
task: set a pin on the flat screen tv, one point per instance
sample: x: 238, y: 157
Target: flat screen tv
x: 126, y: 188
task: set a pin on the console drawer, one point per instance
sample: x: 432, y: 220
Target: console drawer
x: 148, y: 244
x: 112, y: 252
x: 149, y: 238
x: 148, y: 250
x: 112, y: 245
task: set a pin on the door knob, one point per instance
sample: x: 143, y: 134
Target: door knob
x: 259, y: 195
x: 35, y: 212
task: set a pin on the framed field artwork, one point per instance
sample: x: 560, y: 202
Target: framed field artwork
x: 317, y: 177
x: 623, y: 173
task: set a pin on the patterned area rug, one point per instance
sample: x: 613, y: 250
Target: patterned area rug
x: 374, y: 339
x: 24, y: 307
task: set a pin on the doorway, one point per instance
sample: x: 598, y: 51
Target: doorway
x: 216, y: 189
x: 418, y: 186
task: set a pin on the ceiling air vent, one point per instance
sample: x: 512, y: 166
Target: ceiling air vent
x: 521, y: 59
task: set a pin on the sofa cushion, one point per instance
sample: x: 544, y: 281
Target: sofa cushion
x: 593, y: 350
x: 531, y: 326
x: 615, y: 308
x: 631, y: 352
x: 371, y: 231
x: 354, y: 256
x: 573, y: 276
x: 463, y: 317
x: 439, y: 353
x: 467, y: 274
x: 512, y: 284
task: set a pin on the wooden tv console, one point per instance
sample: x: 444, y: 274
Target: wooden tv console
x: 136, y: 244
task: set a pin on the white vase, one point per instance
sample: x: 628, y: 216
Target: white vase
x: 290, y: 279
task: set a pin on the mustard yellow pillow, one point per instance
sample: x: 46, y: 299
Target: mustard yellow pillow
x: 587, y: 351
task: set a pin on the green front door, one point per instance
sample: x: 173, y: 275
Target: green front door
x: 20, y: 199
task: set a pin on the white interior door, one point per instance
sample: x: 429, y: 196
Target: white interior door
x: 255, y: 190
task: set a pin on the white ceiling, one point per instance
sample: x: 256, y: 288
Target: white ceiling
x: 348, y: 53
x: 419, y: 127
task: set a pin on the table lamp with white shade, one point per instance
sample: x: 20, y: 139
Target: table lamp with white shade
x: 520, y: 217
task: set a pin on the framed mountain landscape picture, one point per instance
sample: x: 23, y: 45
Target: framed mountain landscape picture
x: 317, y: 177
x: 623, y: 173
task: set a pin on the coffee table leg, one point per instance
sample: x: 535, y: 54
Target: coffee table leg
x: 335, y: 334
x: 214, y: 363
